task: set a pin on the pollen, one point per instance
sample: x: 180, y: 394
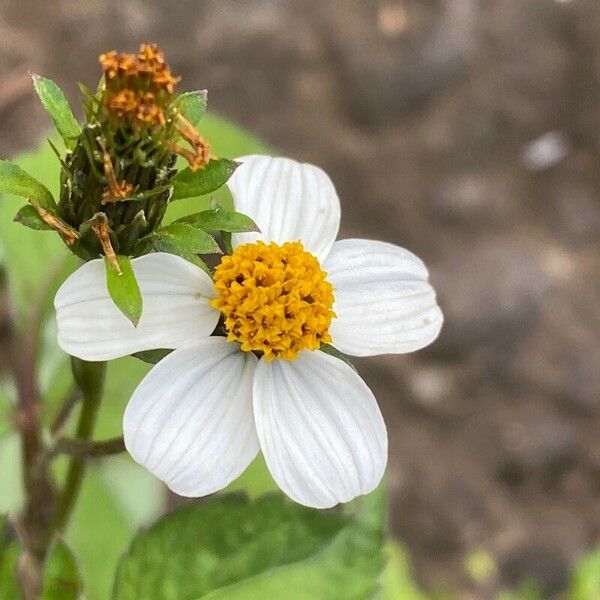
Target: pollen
x: 275, y: 299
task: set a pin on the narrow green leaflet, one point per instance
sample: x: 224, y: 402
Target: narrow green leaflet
x: 192, y: 105
x: 189, y: 184
x: 54, y: 101
x: 61, y: 580
x: 30, y: 217
x: 14, y: 180
x: 333, y: 351
x: 124, y: 289
x: 220, y: 220
x: 202, y: 548
x: 184, y: 240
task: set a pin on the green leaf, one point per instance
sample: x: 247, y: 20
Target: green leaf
x: 220, y: 220
x: 14, y: 180
x: 61, y: 580
x: 30, y: 217
x: 124, y: 289
x: 397, y: 582
x: 55, y: 103
x: 192, y: 105
x: 9, y: 554
x: 218, y: 543
x: 333, y: 351
x: 188, y: 183
x: 61, y: 576
x: 36, y: 263
x: 585, y: 580
x: 230, y: 548
x: 184, y: 240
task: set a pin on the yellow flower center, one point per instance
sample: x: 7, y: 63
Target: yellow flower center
x: 275, y: 299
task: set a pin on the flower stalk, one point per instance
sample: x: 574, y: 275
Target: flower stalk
x: 89, y: 376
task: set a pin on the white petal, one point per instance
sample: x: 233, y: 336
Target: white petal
x: 176, y: 309
x: 190, y: 420
x: 288, y: 200
x: 383, y: 301
x: 320, y: 429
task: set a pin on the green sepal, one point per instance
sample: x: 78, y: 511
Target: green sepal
x: 192, y: 105
x: 189, y: 184
x: 184, y: 240
x: 152, y: 356
x: 14, y: 180
x: 131, y: 233
x: 220, y: 220
x: 333, y: 351
x: 30, y: 217
x: 124, y: 289
x: 55, y: 103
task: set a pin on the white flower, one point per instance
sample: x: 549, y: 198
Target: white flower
x: 201, y: 415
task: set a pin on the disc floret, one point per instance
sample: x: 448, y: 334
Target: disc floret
x: 275, y: 299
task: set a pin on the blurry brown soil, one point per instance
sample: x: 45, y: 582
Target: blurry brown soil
x: 424, y: 113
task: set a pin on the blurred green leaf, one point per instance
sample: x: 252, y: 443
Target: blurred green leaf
x: 14, y: 180
x: 220, y: 220
x: 54, y: 101
x: 184, y: 240
x: 9, y: 553
x: 192, y: 105
x: 124, y: 289
x: 188, y: 183
x: 30, y: 217
x: 62, y: 580
x: 585, y: 580
x: 61, y: 577
x: 528, y: 590
x: 11, y: 486
x: 36, y: 261
x: 397, y: 582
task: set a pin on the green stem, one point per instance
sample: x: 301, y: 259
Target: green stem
x: 89, y: 376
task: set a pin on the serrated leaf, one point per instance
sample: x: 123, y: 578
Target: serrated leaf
x: 192, y: 105
x: 184, y: 240
x: 124, y: 289
x: 189, y: 184
x: 219, y: 543
x: 220, y: 220
x: 14, y: 180
x: 30, y: 217
x: 55, y: 102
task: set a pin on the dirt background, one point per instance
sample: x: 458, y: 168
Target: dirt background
x: 468, y: 131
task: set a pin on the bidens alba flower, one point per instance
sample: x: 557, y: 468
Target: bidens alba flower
x: 260, y: 382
